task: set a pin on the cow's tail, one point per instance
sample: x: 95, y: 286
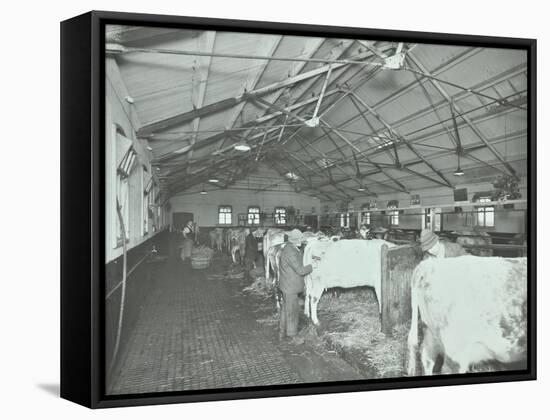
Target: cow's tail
x: 412, y: 340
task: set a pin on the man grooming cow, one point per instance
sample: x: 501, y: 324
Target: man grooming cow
x: 432, y: 247
x: 250, y: 253
x: 291, y: 283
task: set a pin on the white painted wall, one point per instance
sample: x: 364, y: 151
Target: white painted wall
x: 505, y: 221
x: 121, y: 113
x: 205, y: 207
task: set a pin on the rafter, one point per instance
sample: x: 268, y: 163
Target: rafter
x: 466, y: 119
x: 227, y: 103
x: 251, y: 84
x: 335, y: 131
x: 403, y: 140
x: 208, y: 40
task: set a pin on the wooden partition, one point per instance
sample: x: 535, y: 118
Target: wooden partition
x: 397, y: 266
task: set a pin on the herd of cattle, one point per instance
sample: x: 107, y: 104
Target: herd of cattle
x: 469, y: 309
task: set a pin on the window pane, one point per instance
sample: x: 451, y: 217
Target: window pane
x: 489, y: 217
x: 224, y: 215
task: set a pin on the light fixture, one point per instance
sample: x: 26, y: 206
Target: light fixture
x: 242, y: 147
x: 458, y: 171
x: 214, y: 180
x: 361, y: 189
x: 149, y: 148
x: 157, y: 168
x: 203, y: 192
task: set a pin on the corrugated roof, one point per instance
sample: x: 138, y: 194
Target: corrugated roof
x: 196, y: 95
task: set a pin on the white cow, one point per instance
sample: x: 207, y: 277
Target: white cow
x: 272, y: 237
x: 345, y: 263
x: 274, y: 257
x: 474, y: 310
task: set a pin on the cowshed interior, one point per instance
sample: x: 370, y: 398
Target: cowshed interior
x: 245, y: 130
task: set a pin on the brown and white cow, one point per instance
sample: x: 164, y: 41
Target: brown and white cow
x: 344, y: 263
x: 237, y: 241
x: 474, y: 310
x: 216, y: 238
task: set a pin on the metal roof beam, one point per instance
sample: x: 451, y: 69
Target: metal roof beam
x: 227, y: 103
x: 466, y: 119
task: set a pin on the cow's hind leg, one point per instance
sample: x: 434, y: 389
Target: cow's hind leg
x: 412, y: 339
x: 314, y: 303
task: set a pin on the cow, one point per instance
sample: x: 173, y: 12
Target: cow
x: 344, y: 263
x: 465, y: 238
x: 474, y: 309
x: 274, y: 260
x: 216, y: 238
x: 272, y: 237
x: 238, y: 242
x: 229, y: 237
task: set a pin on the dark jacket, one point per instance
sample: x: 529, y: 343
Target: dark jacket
x: 292, y: 271
x: 250, y: 247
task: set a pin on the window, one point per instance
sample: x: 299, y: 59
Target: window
x: 365, y: 214
x: 394, y: 217
x: 124, y: 170
x: 344, y: 220
x: 485, y: 214
x: 427, y: 219
x: 122, y: 198
x: 280, y: 216
x: 393, y: 214
x: 366, y: 218
x: 148, y: 193
x: 253, y: 216
x: 224, y: 215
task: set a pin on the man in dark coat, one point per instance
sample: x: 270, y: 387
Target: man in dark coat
x: 250, y: 253
x: 291, y: 282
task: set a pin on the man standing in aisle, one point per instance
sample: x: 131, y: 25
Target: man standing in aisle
x: 291, y: 283
x: 187, y: 247
x: 250, y: 253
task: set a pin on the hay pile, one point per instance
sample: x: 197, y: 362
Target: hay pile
x: 350, y: 323
x: 259, y: 288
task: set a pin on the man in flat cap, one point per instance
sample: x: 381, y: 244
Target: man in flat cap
x: 432, y: 247
x: 291, y: 283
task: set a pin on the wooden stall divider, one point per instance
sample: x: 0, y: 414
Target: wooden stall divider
x: 397, y: 265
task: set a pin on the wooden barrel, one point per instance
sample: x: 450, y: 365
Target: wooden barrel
x: 200, y: 263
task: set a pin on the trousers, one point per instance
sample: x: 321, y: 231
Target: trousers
x: 290, y: 310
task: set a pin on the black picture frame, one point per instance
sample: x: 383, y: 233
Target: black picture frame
x: 83, y: 219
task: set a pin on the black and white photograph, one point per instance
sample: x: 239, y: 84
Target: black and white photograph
x: 284, y: 209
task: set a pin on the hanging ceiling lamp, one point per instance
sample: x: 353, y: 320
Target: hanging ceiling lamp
x: 458, y: 171
x: 242, y: 146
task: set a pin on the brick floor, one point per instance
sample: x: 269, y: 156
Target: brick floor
x: 193, y: 333
x: 198, y: 333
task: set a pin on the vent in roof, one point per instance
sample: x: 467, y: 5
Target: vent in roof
x: 325, y: 163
